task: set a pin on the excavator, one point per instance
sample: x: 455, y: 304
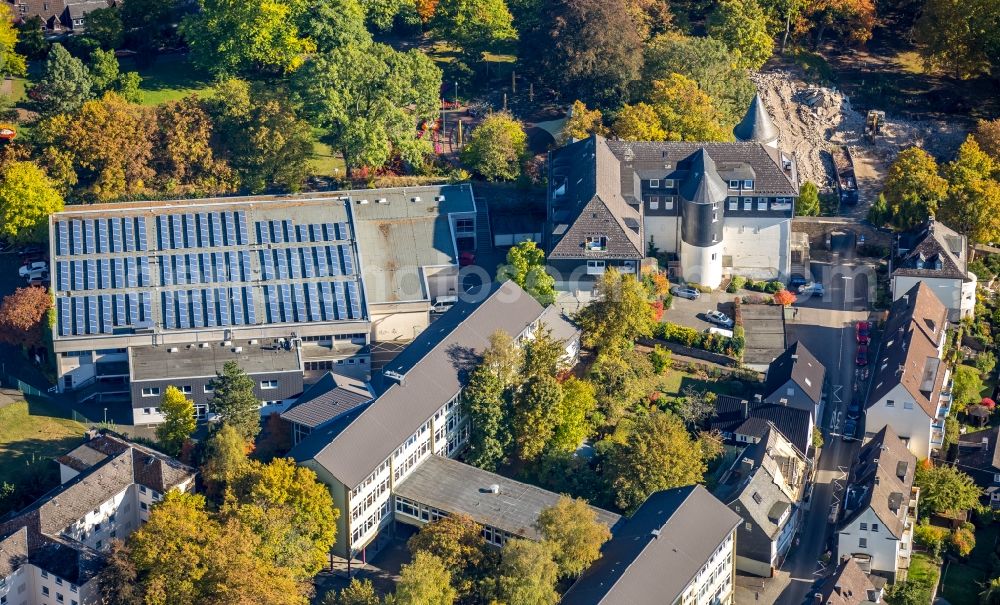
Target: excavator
x: 873, y: 124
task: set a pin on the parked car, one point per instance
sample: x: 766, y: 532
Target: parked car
x: 854, y: 410
x: 862, y: 357
x: 812, y: 288
x: 38, y: 282
x: 719, y: 318
x: 720, y: 332
x: 689, y: 293
x: 796, y: 282
x: 850, y: 430
x: 38, y: 275
x: 863, y: 331
x: 27, y: 268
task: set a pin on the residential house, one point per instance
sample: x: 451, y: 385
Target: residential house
x: 58, y: 15
x: 938, y: 257
x: 797, y: 379
x: 979, y: 457
x: 880, y: 507
x: 326, y: 401
x: 741, y: 421
x: 911, y: 383
x: 850, y: 585
x: 52, y: 551
x: 678, y: 547
x: 765, y: 487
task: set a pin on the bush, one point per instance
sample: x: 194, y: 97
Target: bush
x: 698, y: 287
x: 736, y: 284
x: 660, y: 358
x: 986, y: 361
x: 773, y: 286
x: 930, y: 537
x: 962, y: 541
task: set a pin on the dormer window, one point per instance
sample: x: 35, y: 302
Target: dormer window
x: 748, y: 185
x: 596, y: 243
x: 734, y: 184
x: 668, y: 183
x: 654, y: 183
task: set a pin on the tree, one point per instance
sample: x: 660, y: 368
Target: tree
x: 959, y: 36
x: 686, y: 113
x: 853, y: 19
x: 232, y: 37
x: 592, y: 49
x: 653, y: 453
x: 104, y: 25
x: 945, y: 489
x: 784, y: 298
x: 526, y: 267
x: 486, y: 398
x: 104, y: 70
x: 31, y: 40
x: 571, y: 527
x: 457, y: 541
x: 536, y: 406
x: 497, y: 147
x: 913, y: 189
x: 879, y: 213
x: 695, y: 407
x: 369, y: 99
x: 178, y: 420
x: 235, y: 402
x: 226, y: 458
x: 581, y: 123
x: 972, y: 206
x: 425, y: 581
x: 808, y: 202
x: 11, y: 63
x: 183, y: 157
x: 27, y: 198
x: 915, y: 591
x: 573, y: 425
x: 622, y: 378
x: 991, y: 593
x: 148, y: 24
x: 639, y: 122
x: 358, y: 592
x: 476, y: 26
x: 742, y: 25
x: 962, y: 540
x: 968, y: 385
x: 619, y: 314
x: 65, y: 84
x: 985, y: 362
x: 117, y: 581
x: 527, y: 574
x: 987, y: 135
x: 336, y: 23
x: 21, y: 317
x: 543, y: 354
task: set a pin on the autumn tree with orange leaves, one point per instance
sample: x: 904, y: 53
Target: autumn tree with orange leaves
x: 21, y: 316
x: 852, y: 19
x: 784, y: 298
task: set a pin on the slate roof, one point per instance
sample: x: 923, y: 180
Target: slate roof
x: 640, y: 567
x: 882, y: 479
x: 456, y: 487
x: 932, y: 245
x: 703, y: 185
x: 916, y: 324
x: 850, y: 585
x: 428, y: 373
x: 740, y: 416
x: 330, y: 397
x: 756, y: 125
x: 799, y: 365
x: 974, y: 455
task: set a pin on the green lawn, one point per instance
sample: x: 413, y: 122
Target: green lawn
x: 325, y: 162
x: 168, y: 79
x: 675, y: 382
x: 31, y: 435
x: 923, y: 567
x: 963, y: 581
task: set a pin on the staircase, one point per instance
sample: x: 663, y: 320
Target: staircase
x: 484, y: 235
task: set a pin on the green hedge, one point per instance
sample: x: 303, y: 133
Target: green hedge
x: 714, y: 343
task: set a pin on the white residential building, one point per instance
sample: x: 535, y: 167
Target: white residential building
x: 938, y: 257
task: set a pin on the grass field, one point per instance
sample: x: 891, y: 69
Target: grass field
x: 962, y: 582
x: 923, y: 567
x: 675, y: 382
x: 31, y: 435
x: 168, y: 79
x: 325, y: 162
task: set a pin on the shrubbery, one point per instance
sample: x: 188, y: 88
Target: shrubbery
x: 714, y: 343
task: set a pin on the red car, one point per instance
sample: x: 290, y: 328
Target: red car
x: 863, y: 331
x: 862, y: 358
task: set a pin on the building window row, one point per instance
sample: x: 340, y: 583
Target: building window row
x: 411, y: 460
x: 371, y: 522
x: 329, y: 364
x: 746, y: 185
x: 370, y: 499
x: 371, y: 478
x: 667, y: 201
x: 427, y: 514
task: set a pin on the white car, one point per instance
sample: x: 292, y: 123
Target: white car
x: 27, y: 269
x: 719, y: 318
x: 37, y: 275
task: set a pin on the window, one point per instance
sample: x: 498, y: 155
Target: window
x: 465, y: 226
x: 209, y: 388
x: 268, y: 384
x: 734, y: 203
x: 595, y: 267
x: 864, y: 527
x: 757, y: 497
x: 596, y: 243
x: 748, y: 185
x: 996, y: 477
x: 143, y: 506
x: 147, y: 411
x: 654, y: 183
x: 72, y: 588
x: 668, y: 202
x: 874, y: 526
x: 907, y: 405
x: 747, y: 204
x: 59, y: 581
x: 734, y: 184
x: 889, y: 403
x: 668, y: 183
x: 142, y: 489
x: 654, y: 202
x: 862, y: 542
x: 150, y: 391
x: 748, y: 526
x: 761, y: 204
x: 45, y: 574
x: 45, y: 589
x: 186, y: 389
x: 59, y: 597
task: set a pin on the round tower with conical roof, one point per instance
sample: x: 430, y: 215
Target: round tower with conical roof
x: 757, y: 125
x: 703, y: 194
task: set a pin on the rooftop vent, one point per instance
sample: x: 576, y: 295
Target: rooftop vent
x: 382, y: 200
x: 172, y: 350
x: 205, y: 345
x: 438, y: 198
x: 252, y: 341
x: 495, y: 488
x: 655, y: 533
x: 415, y: 198
x: 227, y: 343
x: 362, y: 201
x: 237, y: 349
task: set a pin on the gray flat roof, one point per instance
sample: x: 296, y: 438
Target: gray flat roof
x: 456, y: 487
x: 765, y: 333
x: 158, y: 363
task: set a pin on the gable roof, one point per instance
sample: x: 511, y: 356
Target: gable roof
x: 881, y: 480
x: 928, y: 247
x: 800, y: 366
x: 332, y: 396
x: 917, y: 323
x: 740, y: 416
x: 979, y: 450
x: 655, y: 553
x: 850, y: 585
x: 756, y: 124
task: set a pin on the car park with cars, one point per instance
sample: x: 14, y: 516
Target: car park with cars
x: 719, y: 318
x: 31, y: 267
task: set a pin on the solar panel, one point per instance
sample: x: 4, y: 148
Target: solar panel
x: 144, y: 280
x: 121, y: 319
x: 334, y: 260
x: 263, y: 232
x: 128, y: 235
x: 290, y: 231
x: 345, y: 253
x: 286, y: 302
x: 92, y: 319
x: 141, y: 226
x: 91, y: 274
x: 300, y: 303
x: 77, y: 237
x: 303, y: 232
x: 62, y: 232
x: 338, y: 294
x: 329, y: 234
x: 237, y: 295
x: 317, y: 232
x: 273, y: 305
x: 203, y: 229
x: 163, y: 232
x: 241, y: 225
x: 80, y: 312
x: 219, y: 261
x: 65, y: 318
x: 294, y: 261
x: 177, y: 262
x: 78, y: 275
x: 245, y: 264
x: 169, y: 319
x: 223, y: 295
x: 234, y: 267
x: 197, y: 310
x: 308, y: 264
x: 216, y: 229
x: 147, y: 307
x: 63, y: 283
x: 251, y: 310
x: 326, y: 298
x: 354, y: 300
x: 190, y: 230
x: 227, y: 218
x: 342, y: 228
x: 105, y: 266
x: 266, y: 264
x: 312, y: 299
x: 116, y: 235
x: 321, y: 267
x: 210, y: 307
x: 207, y: 266
x: 194, y: 269
x: 118, y: 266
x: 282, y: 263
x: 133, y: 307
x: 106, y: 314
x: 102, y: 236
x: 130, y: 272
x: 183, y: 310
x: 177, y: 230
x: 88, y: 236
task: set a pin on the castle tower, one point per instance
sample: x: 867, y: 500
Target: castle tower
x: 757, y: 125
x: 703, y: 196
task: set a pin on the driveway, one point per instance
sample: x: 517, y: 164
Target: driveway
x: 691, y: 313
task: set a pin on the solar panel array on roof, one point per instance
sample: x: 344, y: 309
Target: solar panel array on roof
x: 312, y: 301
x: 101, y: 314
x: 208, y: 307
x: 100, y: 236
x: 286, y: 231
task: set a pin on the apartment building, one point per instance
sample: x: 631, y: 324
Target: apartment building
x: 721, y: 208
x: 911, y: 383
x: 938, y: 257
x: 765, y: 487
x: 880, y: 508
x: 678, y: 548
x: 51, y: 551
x: 367, y: 454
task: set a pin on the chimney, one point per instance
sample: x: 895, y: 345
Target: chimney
x: 838, y: 589
x: 758, y: 398
x: 795, y: 357
x: 746, y: 410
